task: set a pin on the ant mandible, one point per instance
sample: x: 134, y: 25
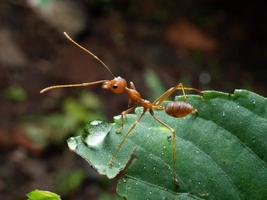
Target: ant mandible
x: 119, y: 85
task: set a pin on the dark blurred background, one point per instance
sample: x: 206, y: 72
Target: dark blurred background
x: 206, y: 44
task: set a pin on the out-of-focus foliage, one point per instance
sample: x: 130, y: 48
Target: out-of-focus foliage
x: 42, y: 195
x: 154, y: 84
x: 41, y: 2
x: 110, y: 197
x: 15, y: 93
x: 55, y: 127
x: 69, y: 181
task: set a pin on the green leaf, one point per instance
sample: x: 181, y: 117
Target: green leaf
x: 221, y: 152
x: 69, y: 181
x: 42, y: 195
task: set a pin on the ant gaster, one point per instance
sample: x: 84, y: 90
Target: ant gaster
x: 119, y: 85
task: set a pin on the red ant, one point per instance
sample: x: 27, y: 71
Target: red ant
x: 119, y: 85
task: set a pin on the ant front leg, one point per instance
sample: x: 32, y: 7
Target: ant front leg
x: 119, y: 146
x: 130, y: 109
x: 123, y: 114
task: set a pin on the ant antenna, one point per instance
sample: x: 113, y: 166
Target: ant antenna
x: 89, y: 52
x: 72, y: 85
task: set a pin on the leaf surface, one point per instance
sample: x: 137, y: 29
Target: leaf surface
x: 221, y: 152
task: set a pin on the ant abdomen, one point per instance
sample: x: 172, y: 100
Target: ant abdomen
x: 179, y: 109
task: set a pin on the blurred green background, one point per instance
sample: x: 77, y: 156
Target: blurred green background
x: 218, y: 45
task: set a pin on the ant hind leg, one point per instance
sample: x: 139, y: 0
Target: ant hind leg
x: 170, y: 91
x: 180, y: 85
x: 175, y: 181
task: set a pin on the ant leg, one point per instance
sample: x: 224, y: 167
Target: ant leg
x: 182, y: 87
x: 123, y: 114
x: 125, y: 137
x: 173, y: 145
x: 170, y: 91
x: 195, y: 113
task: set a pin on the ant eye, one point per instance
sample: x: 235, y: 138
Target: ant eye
x: 115, y: 86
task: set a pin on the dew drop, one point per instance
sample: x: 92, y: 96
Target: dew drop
x: 96, y: 138
x: 169, y: 138
x: 72, y: 143
x: 97, y: 131
x: 223, y: 114
x: 124, y: 180
x: 254, y: 101
x: 95, y: 123
x: 150, y: 192
x: 164, y: 147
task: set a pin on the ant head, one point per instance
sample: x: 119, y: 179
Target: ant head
x: 116, y: 85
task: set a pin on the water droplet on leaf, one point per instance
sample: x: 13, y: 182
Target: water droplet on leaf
x: 97, y: 133
x: 72, y: 143
x: 95, y: 123
x: 96, y: 138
